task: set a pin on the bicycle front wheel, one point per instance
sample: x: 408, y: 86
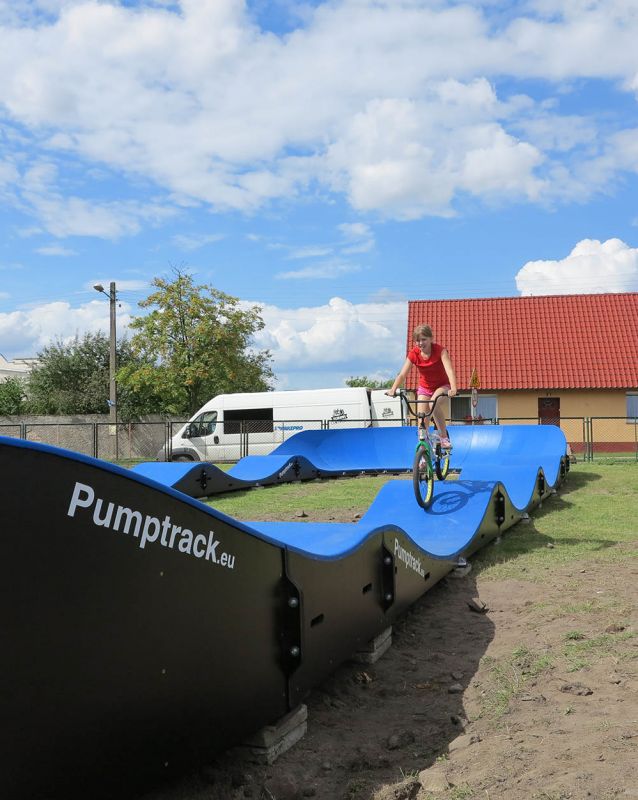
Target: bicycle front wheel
x: 441, y: 462
x: 423, y: 478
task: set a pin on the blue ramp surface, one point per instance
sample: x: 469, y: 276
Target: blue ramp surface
x: 444, y: 531
x: 512, y: 454
x: 205, y: 479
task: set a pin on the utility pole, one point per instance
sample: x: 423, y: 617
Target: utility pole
x: 112, y: 357
x: 112, y: 295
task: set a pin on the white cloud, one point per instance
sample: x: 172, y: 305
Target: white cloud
x: 321, y: 271
x: 55, y: 250
x: 358, y: 237
x: 198, y: 100
x: 63, y: 216
x: 354, y: 231
x: 8, y: 173
x: 310, y: 251
x: 592, y: 266
x: 312, y: 346
x: 194, y: 241
x: 24, y: 333
x: 355, y: 238
x: 329, y: 343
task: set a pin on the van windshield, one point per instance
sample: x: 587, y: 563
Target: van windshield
x: 203, y: 425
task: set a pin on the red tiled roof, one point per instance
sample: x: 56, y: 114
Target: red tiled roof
x: 583, y: 341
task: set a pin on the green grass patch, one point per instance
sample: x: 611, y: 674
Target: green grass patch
x: 592, y: 517
x: 313, y: 497
x: 508, y: 677
x: 575, y: 636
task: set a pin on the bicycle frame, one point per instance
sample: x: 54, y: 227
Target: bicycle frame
x: 421, y: 416
x: 428, y: 457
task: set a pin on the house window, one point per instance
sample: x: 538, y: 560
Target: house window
x: 632, y: 406
x: 486, y: 407
x: 461, y: 407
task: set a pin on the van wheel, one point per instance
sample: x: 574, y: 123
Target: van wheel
x: 181, y: 458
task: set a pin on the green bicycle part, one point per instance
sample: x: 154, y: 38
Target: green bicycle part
x: 423, y: 476
x: 441, y: 462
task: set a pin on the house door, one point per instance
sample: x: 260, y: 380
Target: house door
x: 549, y: 410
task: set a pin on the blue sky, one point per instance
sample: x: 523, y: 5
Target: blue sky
x: 326, y: 160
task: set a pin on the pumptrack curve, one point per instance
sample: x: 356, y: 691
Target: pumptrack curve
x: 147, y: 630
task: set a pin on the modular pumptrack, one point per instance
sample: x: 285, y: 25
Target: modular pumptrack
x: 144, y: 630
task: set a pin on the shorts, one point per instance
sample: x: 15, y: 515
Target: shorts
x: 427, y: 394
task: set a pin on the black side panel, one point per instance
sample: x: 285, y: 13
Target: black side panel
x: 341, y: 608
x: 121, y: 662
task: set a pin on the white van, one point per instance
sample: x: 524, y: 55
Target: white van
x: 233, y: 425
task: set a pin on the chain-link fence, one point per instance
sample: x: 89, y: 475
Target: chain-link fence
x: 16, y: 431
x: 124, y: 442
x: 590, y: 438
x: 231, y: 440
x: 575, y: 429
x: 612, y: 439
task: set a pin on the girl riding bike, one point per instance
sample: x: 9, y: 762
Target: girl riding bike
x: 436, y: 377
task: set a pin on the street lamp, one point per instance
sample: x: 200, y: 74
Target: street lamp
x: 112, y: 366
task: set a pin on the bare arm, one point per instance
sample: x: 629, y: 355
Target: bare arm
x: 449, y: 369
x: 400, y: 377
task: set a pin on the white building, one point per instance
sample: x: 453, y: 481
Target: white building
x: 18, y: 368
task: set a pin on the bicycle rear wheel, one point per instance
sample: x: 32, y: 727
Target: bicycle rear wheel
x: 423, y: 478
x: 441, y: 462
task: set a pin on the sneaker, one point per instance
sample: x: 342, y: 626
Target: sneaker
x: 446, y: 444
x: 461, y: 562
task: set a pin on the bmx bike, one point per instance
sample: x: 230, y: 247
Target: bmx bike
x: 430, y: 457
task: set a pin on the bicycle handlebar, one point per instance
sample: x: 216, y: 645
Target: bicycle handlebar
x: 413, y: 404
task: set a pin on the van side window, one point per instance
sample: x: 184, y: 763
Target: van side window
x: 203, y: 425
x: 248, y: 420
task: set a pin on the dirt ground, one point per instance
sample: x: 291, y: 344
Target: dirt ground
x: 534, y: 698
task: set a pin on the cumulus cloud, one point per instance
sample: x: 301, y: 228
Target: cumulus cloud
x: 338, y: 339
x: 36, y: 192
x: 26, y: 332
x: 311, y: 346
x: 591, y: 267
x: 196, y: 98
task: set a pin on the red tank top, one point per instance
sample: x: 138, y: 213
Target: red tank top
x: 432, y: 373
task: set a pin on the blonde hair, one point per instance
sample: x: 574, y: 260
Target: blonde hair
x: 422, y: 331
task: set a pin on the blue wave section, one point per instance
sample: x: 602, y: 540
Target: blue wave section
x: 444, y: 531
x: 509, y: 454
x: 490, y: 459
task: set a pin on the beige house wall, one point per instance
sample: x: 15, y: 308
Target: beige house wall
x: 574, y: 405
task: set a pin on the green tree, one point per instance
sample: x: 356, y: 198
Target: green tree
x: 369, y: 383
x: 194, y: 343
x: 12, y: 396
x: 73, y: 378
